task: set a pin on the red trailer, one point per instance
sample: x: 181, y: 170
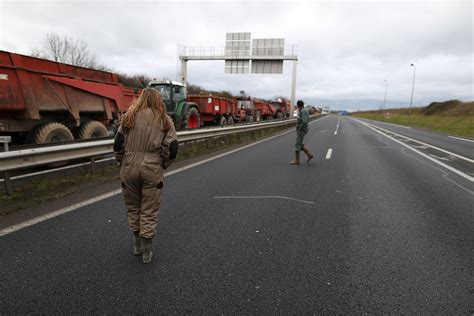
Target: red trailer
x: 43, y: 101
x: 267, y: 110
x: 214, y: 109
x: 282, y: 107
x: 246, y: 110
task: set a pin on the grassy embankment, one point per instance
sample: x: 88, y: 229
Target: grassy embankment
x: 452, y: 117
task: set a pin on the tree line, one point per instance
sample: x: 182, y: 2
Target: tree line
x: 75, y: 51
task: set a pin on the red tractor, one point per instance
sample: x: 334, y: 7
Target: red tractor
x: 246, y: 110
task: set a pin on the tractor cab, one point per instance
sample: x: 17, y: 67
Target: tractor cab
x: 172, y: 92
x: 174, y: 97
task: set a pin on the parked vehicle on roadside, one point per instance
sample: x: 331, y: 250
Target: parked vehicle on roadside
x: 43, y: 101
x: 283, y: 108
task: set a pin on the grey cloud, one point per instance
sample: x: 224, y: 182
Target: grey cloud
x: 346, y: 49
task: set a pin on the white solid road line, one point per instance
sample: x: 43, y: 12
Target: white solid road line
x: 397, y: 125
x: 261, y: 197
x: 73, y: 207
x: 456, y: 171
x: 328, y: 155
x: 56, y: 213
x: 420, y: 142
x: 466, y: 140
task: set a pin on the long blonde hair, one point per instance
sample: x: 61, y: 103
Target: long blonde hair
x: 149, y: 98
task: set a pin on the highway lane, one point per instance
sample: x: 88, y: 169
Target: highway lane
x: 388, y: 231
x: 459, y: 145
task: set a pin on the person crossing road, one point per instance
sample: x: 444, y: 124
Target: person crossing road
x: 302, y: 121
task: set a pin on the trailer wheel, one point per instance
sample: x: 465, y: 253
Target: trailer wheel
x: 230, y: 120
x: 192, y: 119
x: 223, y: 121
x: 92, y: 129
x: 52, y: 133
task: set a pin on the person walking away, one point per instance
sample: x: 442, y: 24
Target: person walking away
x: 302, y: 120
x: 145, y: 145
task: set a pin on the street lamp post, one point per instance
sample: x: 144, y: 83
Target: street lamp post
x: 412, y: 89
x: 385, y: 97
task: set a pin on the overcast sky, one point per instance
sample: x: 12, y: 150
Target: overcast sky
x: 346, y: 49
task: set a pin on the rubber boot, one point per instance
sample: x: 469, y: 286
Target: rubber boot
x: 137, y: 244
x: 306, y: 151
x: 147, y: 253
x: 296, y: 161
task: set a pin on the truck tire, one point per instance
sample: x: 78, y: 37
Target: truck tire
x: 230, y: 121
x: 92, y: 129
x: 223, y: 121
x: 192, y: 119
x: 52, y: 133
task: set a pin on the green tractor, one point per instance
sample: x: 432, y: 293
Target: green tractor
x: 185, y: 114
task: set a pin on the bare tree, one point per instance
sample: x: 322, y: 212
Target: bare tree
x: 137, y: 80
x: 66, y: 49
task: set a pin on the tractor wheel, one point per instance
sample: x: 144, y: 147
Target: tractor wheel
x: 52, y: 133
x: 92, y: 129
x: 230, y: 120
x: 192, y: 119
x: 223, y: 121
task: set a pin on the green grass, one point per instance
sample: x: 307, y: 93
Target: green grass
x: 42, y: 190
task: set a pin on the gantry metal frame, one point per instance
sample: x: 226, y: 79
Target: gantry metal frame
x: 211, y: 53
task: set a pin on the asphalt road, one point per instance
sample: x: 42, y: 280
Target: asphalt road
x: 374, y: 229
x: 458, y: 145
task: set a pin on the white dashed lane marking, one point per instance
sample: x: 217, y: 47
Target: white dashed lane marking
x: 328, y: 155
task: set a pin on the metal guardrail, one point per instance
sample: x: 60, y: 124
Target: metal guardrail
x: 47, y: 155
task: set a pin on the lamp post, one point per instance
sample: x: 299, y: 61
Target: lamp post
x: 385, y: 97
x: 412, y: 89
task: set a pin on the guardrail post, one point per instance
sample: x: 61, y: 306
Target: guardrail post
x: 93, y: 166
x: 8, y: 184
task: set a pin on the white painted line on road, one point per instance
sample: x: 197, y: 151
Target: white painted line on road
x: 420, y: 142
x: 397, y: 125
x: 328, y: 155
x: 467, y: 140
x: 337, y: 125
x: 261, y: 197
x: 62, y: 211
x: 462, y: 174
x: 73, y: 207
